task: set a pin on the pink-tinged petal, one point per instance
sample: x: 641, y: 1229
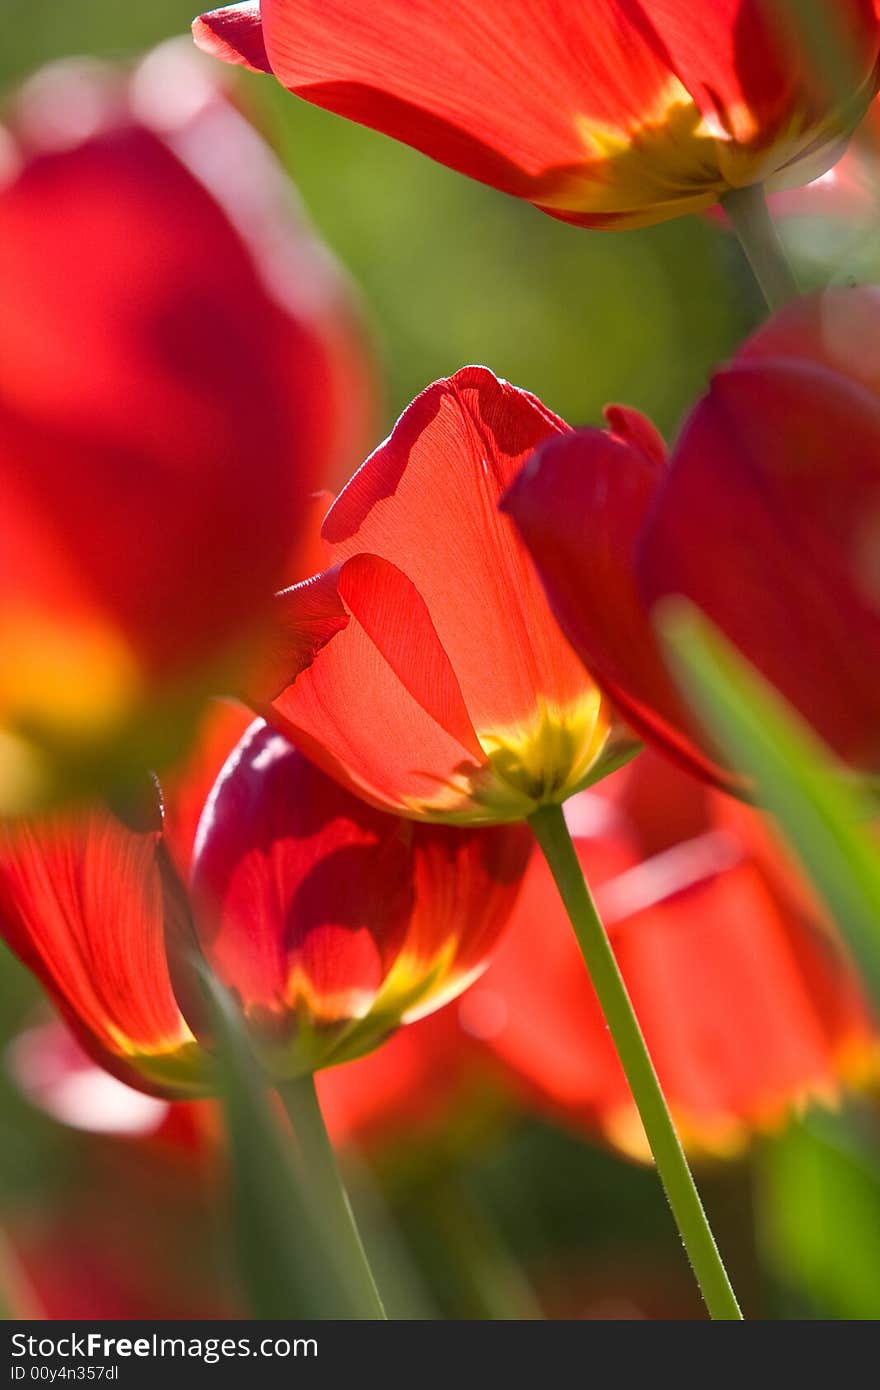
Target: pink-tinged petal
x: 234, y: 34
x: 768, y: 520
x: 453, y: 454
x: 838, y: 329
x: 91, y: 906
x: 381, y: 709
x: 579, y: 505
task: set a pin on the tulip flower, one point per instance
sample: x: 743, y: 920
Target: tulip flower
x: 766, y: 516
x: 164, y: 414
x: 333, y: 922
x: 330, y: 922
x: 749, y: 1004
x: 447, y: 692
x: 614, y: 114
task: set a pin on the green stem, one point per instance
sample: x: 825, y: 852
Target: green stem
x: 321, y: 1173
x: 756, y: 230
x: 551, y: 832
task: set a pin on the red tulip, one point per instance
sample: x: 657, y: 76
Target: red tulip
x: 92, y: 906
x: 749, y: 1006
x: 447, y: 693
x: 163, y: 415
x: 613, y: 114
x: 330, y: 922
x: 767, y: 517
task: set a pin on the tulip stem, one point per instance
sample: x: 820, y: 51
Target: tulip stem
x: 551, y: 832
x: 759, y: 239
x: 324, y: 1181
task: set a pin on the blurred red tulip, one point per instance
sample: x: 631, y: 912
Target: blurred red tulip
x: 616, y: 114
x: 767, y: 516
x: 164, y: 414
x: 448, y: 692
x: 330, y: 922
x: 91, y: 906
x: 748, y: 1004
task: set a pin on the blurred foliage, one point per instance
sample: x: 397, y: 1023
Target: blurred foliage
x: 819, y: 1210
x: 450, y: 273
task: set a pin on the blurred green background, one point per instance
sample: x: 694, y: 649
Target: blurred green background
x: 452, y: 273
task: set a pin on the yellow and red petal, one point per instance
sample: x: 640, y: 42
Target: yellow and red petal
x: 614, y: 114
x: 90, y: 905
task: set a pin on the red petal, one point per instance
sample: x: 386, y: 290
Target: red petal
x: 772, y: 533
x: 746, y: 65
x: 234, y: 34
x: 510, y: 93
x: 453, y: 454
x: 88, y: 905
x: 303, y: 893
x: 304, y: 619
x: 407, y: 1086
x: 128, y: 428
x: 381, y: 710
x: 579, y: 506
x: 467, y: 884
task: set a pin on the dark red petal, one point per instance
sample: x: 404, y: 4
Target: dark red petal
x: 303, y: 893
x: 235, y: 34
x: 768, y: 520
x: 579, y: 506
x: 88, y: 905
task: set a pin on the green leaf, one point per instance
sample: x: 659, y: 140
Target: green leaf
x: 818, y: 1217
x: 287, y: 1268
x: 817, y: 804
